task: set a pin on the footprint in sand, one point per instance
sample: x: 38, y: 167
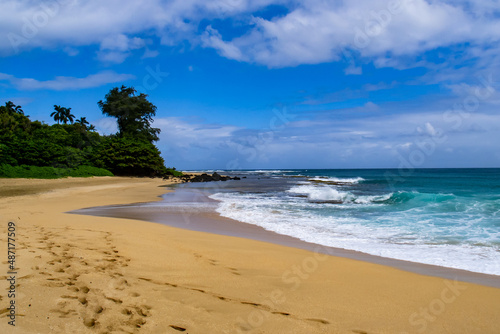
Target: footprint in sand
x: 112, y: 307
x: 178, y: 328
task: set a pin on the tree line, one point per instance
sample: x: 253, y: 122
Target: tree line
x: 74, y: 145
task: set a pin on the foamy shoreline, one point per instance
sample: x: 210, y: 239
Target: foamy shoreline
x: 209, y: 220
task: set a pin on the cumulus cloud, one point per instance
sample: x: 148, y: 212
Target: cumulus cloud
x: 188, y: 133
x: 193, y: 142
x: 319, y: 31
x: 481, y: 91
x: 312, y: 31
x: 106, y: 126
x: 212, y: 38
x: 381, y: 140
x: 66, y: 83
x: 28, y: 24
x: 115, y: 49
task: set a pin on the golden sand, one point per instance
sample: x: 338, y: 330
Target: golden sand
x: 82, y: 274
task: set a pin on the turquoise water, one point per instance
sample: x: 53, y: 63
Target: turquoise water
x: 445, y: 217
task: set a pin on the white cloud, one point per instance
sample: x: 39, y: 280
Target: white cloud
x: 319, y: 31
x: 66, y: 83
x: 115, y: 49
x: 150, y: 54
x: 483, y: 91
x: 353, y: 70
x: 71, y: 51
x: 313, y: 31
x: 381, y: 140
x: 28, y: 24
x: 175, y: 129
x: 191, y: 142
x: 212, y: 38
x: 427, y: 130
x: 112, y: 57
x: 106, y: 126
x: 121, y: 42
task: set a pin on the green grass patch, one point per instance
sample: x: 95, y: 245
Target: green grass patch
x: 34, y: 172
x: 173, y: 172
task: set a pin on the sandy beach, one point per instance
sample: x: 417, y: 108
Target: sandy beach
x: 85, y: 274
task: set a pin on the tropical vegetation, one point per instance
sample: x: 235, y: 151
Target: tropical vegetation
x: 73, y: 147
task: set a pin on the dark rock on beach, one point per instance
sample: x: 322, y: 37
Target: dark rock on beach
x: 208, y: 178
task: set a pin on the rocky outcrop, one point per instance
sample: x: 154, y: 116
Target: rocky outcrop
x: 208, y: 178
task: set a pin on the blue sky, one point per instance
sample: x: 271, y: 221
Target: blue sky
x: 271, y: 83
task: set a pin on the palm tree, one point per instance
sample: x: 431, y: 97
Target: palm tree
x: 62, y: 114
x: 58, y: 114
x: 69, y: 115
x: 13, y: 109
x: 82, y: 121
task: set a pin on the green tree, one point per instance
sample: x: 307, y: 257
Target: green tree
x: 13, y: 109
x: 82, y: 121
x: 35, y: 149
x: 134, y: 113
x: 13, y: 122
x: 62, y: 114
x: 129, y: 157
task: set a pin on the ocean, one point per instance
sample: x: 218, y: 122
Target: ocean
x: 444, y: 217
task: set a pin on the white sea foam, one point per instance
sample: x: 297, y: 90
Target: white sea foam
x: 394, y: 235
x: 321, y: 193
x: 372, y: 199
x: 324, y: 193
x: 353, y: 180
